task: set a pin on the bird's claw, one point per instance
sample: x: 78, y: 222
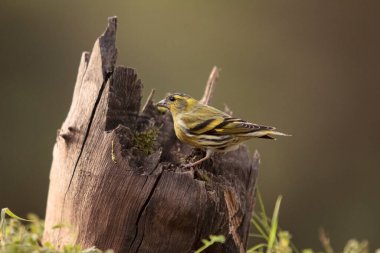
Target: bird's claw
x: 189, y: 165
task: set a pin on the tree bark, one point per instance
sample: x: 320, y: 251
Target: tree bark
x: 116, y: 180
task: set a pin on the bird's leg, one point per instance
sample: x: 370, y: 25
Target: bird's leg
x: 209, y: 152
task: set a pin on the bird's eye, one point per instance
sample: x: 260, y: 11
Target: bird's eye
x: 172, y: 98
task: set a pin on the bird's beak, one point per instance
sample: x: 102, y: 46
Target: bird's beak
x: 162, y: 103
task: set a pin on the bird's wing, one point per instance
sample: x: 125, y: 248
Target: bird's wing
x: 237, y: 126
x: 202, y: 119
x: 209, y: 120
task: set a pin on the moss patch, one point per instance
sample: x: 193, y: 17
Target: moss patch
x: 146, y: 140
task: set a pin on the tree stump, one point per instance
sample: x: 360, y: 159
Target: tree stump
x: 116, y: 180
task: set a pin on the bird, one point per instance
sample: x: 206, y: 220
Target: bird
x: 205, y: 127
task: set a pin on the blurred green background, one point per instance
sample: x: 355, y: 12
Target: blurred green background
x: 311, y: 68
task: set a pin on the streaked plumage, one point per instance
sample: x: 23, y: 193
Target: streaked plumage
x: 206, y: 127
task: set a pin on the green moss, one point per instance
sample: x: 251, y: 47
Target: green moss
x: 146, y: 140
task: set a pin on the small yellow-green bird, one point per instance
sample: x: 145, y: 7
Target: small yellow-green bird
x: 206, y: 127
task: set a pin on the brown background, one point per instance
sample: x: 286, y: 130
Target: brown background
x: 311, y: 68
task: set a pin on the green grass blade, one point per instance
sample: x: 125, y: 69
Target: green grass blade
x: 12, y: 215
x: 263, y: 213
x: 259, y: 229
x: 258, y: 246
x: 3, y: 224
x: 265, y: 225
x: 208, y: 243
x: 273, y: 231
x: 255, y: 235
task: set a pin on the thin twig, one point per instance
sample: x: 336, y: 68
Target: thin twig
x: 325, y: 240
x: 214, y: 75
x: 227, y: 110
x: 148, y: 100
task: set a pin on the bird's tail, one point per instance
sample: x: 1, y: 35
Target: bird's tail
x: 267, y: 134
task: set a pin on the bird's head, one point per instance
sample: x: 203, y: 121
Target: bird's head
x: 178, y: 102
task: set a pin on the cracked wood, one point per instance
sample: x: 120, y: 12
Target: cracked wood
x: 106, y: 191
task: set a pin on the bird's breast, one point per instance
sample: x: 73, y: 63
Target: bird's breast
x: 182, y: 135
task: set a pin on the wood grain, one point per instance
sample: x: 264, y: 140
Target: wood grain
x: 139, y: 201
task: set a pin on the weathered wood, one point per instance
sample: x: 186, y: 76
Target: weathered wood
x: 116, y: 179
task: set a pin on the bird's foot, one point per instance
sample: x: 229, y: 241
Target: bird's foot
x: 189, y: 165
